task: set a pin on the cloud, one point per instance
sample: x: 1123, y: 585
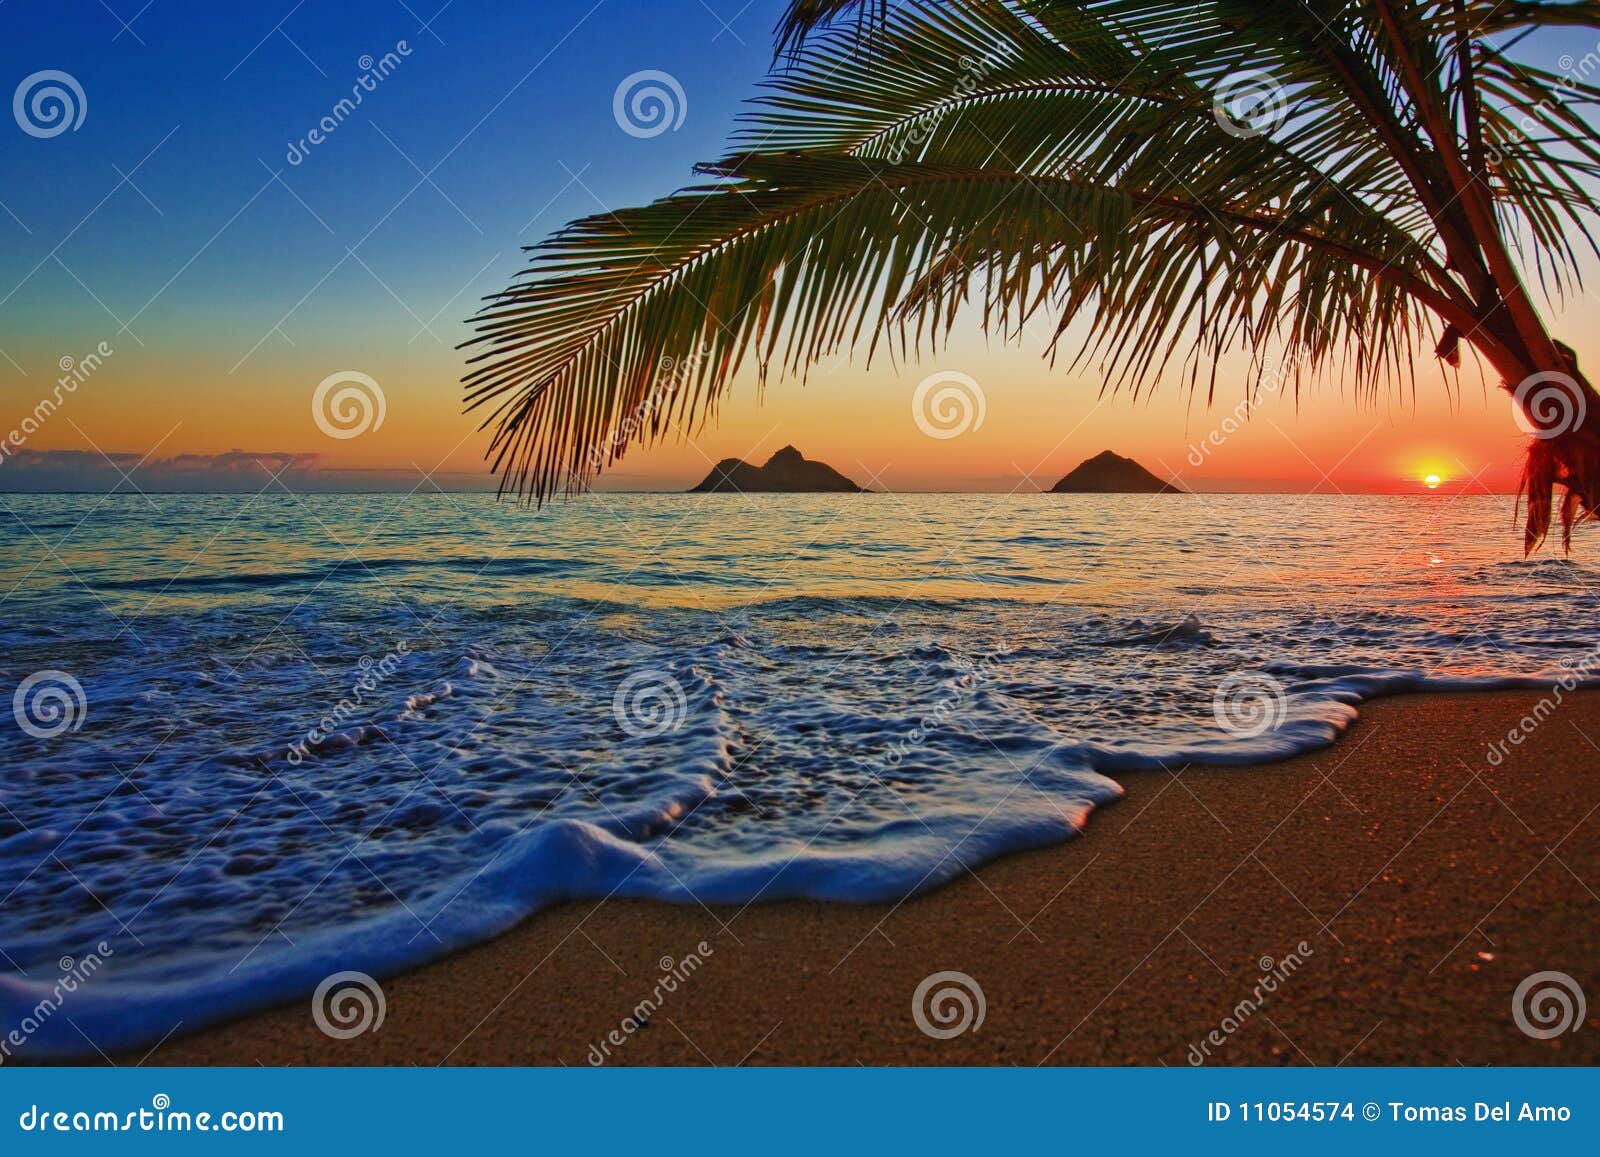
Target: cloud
x: 26, y: 471
x: 236, y: 471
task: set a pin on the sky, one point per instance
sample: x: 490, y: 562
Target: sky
x: 196, y: 264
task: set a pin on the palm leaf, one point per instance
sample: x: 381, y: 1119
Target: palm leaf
x: 1065, y: 159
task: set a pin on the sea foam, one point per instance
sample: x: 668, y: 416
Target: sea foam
x: 324, y: 768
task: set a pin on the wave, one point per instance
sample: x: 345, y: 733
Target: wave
x: 1191, y: 632
x: 625, y: 855
x: 315, y: 764
x: 355, y: 569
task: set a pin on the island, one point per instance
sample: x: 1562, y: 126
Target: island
x: 1109, y: 473
x: 786, y: 472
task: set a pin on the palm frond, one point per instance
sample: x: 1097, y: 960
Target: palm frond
x: 1066, y: 159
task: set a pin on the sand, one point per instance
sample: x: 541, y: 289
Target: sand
x: 1399, y: 886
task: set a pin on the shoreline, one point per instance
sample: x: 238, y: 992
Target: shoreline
x: 1374, y: 902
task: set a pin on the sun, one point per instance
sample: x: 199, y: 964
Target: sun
x: 1432, y: 481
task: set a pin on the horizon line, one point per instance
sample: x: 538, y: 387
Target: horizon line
x: 120, y: 492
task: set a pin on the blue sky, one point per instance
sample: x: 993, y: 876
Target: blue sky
x: 503, y: 103
x: 172, y: 222
x: 230, y: 279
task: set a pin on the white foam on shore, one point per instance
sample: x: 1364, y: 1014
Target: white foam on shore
x: 267, y: 790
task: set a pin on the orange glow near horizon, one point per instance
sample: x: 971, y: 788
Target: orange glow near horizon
x: 229, y: 304
x: 177, y: 396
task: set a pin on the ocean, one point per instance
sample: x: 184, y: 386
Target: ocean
x: 259, y: 740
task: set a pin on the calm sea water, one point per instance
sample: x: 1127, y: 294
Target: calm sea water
x: 261, y: 740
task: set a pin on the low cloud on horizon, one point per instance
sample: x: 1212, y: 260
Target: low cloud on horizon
x: 26, y: 471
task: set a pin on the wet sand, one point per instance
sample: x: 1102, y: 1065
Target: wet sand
x: 1423, y: 882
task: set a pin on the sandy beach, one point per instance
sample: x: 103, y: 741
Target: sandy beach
x: 1405, y: 884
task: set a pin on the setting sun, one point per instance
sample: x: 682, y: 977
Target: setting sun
x: 1431, y: 481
